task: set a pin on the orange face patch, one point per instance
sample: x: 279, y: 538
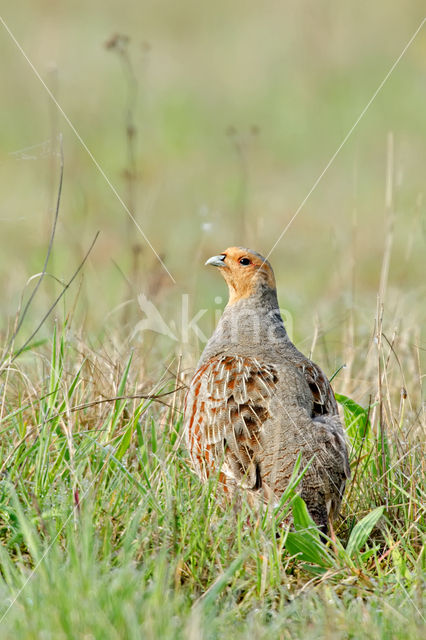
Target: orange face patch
x: 243, y: 271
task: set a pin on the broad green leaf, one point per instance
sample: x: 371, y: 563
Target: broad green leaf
x: 307, y: 547
x: 281, y: 509
x: 358, y: 427
x: 125, y: 440
x: 301, y: 516
x: 362, y: 530
x: 356, y: 418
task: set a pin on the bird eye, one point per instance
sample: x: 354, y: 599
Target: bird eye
x: 244, y: 261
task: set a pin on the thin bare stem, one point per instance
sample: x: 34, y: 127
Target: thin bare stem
x: 49, y: 251
x: 17, y: 353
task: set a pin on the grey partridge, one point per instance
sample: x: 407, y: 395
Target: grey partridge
x: 256, y: 402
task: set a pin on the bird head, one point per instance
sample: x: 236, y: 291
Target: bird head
x: 246, y: 272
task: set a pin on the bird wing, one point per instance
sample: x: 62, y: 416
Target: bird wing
x: 226, y: 406
x: 333, y: 461
x: 322, y: 393
x: 325, y: 410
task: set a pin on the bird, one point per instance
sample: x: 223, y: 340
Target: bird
x: 256, y: 404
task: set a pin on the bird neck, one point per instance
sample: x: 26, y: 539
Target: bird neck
x: 247, y: 324
x: 262, y: 301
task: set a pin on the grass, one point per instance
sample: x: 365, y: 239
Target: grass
x: 106, y: 533
x: 212, y: 121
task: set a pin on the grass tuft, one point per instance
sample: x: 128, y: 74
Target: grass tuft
x: 105, y: 530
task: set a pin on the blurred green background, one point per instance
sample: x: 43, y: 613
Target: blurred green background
x: 236, y: 108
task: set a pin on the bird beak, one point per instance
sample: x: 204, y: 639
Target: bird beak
x: 217, y: 261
